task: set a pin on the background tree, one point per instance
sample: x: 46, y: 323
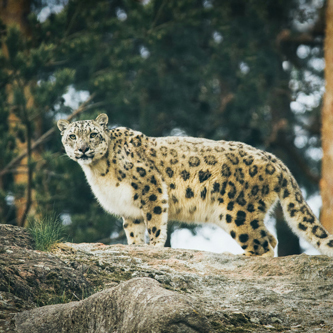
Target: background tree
x: 14, y: 15
x: 230, y: 69
x: 326, y: 183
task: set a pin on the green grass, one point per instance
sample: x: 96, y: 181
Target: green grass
x: 46, y: 232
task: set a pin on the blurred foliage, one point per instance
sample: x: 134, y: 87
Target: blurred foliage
x: 225, y: 69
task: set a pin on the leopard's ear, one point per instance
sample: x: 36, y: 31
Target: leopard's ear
x: 102, y: 120
x: 62, y: 125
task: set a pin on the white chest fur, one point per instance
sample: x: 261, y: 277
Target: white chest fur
x: 116, y: 200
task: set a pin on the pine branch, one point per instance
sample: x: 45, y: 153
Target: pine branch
x: 159, y: 12
x: 299, y: 160
x: 46, y: 136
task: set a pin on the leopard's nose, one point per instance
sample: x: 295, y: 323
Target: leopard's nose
x: 83, y: 148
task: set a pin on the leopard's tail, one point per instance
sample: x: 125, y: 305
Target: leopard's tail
x: 301, y: 218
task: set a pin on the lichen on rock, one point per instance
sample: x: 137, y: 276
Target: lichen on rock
x: 181, y: 290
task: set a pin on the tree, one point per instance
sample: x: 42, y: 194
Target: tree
x: 13, y: 15
x: 326, y: 182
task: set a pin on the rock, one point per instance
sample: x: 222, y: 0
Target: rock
x: 31, y: 278
x: 137, y: 305
x: 172, y: 290
x: 15, y: 236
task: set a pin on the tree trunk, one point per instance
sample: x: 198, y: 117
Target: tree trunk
x: 13, y: 13
x: 326, y: 182
x: 288, y: 241
x: 280, y: 111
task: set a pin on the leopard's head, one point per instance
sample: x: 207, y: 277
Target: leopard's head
x: 85, y: 141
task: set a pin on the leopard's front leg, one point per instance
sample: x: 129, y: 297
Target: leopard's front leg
x: 155, y: 212
x: 134, y: 230
x: 151, y: 196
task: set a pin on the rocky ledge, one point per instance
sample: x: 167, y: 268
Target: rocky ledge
x: 119, y: 288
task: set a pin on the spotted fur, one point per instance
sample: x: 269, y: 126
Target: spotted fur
x: 149, y: 181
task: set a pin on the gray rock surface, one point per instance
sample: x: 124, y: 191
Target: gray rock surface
x: 15, y: 236
x: 162, y: 290
x: 137, y: 305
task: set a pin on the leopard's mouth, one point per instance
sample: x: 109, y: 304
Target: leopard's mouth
x: 84, y: 157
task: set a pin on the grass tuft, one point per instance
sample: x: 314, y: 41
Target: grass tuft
x: 46, y: 232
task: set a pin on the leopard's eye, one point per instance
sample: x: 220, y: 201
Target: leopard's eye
x: 92, y: 135
x: 72, y: 136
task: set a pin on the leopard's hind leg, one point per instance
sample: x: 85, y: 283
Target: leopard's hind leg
x: 247, y: 227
